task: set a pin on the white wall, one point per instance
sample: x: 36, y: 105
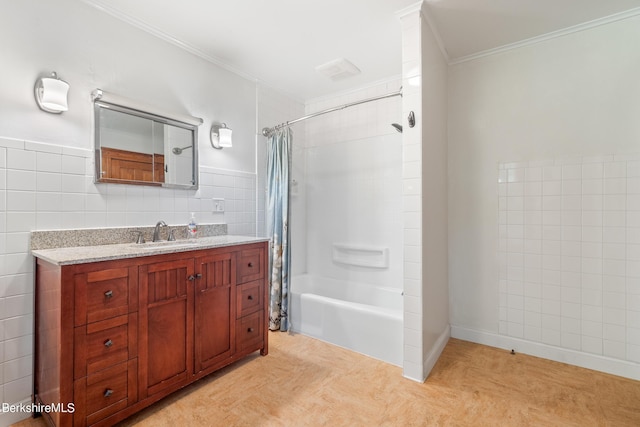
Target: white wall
x: 573, y: 97
x: 46, y: 167
x: 90, y: 50
x: 435, y: 326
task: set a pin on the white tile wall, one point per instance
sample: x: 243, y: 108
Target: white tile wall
x: 412, y: 195
x: 359, y: 122
x: 51, y: 187
x: 353, y: 177
x: 570, y: 253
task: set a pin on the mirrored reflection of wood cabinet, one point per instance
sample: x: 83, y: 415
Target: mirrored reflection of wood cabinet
x: 121, y: 165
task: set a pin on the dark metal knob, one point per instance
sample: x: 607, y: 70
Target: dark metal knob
x: 191, y: 278
x: 199, y: 276
x: 108, y: 294
x: 250, y: 264
x: 250, y: 297
x: 108, y: 392
x: 108, y: 343
x: 250, y: 330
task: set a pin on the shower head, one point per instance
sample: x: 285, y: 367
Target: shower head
x: 178, y: 151
x: 397, y: 127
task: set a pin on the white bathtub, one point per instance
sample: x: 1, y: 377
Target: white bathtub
x: 361, y: 317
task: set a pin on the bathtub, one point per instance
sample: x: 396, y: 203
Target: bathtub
x: 361, y: 317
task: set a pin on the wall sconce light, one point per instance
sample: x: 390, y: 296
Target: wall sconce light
x: 221, y: 136
x: 51, y: 94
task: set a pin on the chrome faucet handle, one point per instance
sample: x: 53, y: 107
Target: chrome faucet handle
x: 171, y: 237
x: 140, y: 237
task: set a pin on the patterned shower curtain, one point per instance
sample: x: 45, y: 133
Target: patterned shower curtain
x: 278, y: 165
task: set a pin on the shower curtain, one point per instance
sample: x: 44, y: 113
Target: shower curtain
x: 277, y: 206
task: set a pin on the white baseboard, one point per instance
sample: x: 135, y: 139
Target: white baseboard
x: 435, y: 352
x: 596, y: 362
x: 419, y: 373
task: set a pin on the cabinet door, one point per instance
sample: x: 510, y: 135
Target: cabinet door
x: 215, y: 302
x: 166, y: 325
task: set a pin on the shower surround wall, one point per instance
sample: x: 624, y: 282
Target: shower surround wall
x: 346, y: 193
x: 353, y: 184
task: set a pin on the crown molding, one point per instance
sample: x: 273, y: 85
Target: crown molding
x: 549, y: 36
x: 416, y: 7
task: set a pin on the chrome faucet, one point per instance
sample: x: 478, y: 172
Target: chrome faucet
x: 156, y: 231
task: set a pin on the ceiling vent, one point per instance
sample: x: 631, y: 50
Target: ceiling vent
x: 338, y: 69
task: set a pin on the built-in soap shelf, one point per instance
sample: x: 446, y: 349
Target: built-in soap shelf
x: 361, y: 255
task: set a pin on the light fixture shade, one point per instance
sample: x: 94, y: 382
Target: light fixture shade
x: 51, y: 94
x: 221, y: 136
x: 225, y: 138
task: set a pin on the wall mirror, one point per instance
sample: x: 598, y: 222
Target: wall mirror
x: 136, y: 144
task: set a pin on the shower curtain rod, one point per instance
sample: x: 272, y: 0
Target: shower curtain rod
x: 268, y: 131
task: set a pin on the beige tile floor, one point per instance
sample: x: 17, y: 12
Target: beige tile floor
x: 305, y: 382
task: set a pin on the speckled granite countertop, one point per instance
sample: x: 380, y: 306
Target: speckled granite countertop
x: 86, y: 254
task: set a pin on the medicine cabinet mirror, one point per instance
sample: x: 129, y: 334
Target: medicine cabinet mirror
x: 136, y: 146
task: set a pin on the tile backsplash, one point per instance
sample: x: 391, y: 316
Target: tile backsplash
x: 569, y: 253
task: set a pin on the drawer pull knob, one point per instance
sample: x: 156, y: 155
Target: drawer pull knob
x: 199, y: 276
x: 108, y: 343
x: 108, y: 392
x: 108, y: 294
x: 250, y: 264
x: 192, y: 278
x: 250, y: 330
x: 250, y: 297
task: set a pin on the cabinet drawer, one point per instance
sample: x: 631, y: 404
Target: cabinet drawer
x: 103, y: 344
x: 249, y: 298
x: 251, y: 265
x: 249, y: 331
x: 105, y: 393
x: 103, y: 294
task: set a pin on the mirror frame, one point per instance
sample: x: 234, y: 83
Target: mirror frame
x: 99, y: 104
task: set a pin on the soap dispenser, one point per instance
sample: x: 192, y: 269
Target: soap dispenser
x: 192, y: 227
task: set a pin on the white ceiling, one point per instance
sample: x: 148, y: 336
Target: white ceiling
x: 280, y: 42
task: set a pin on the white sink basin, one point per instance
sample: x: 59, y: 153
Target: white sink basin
x: 160, y: 245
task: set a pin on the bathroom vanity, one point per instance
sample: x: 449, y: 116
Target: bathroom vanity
x: 119, y: 327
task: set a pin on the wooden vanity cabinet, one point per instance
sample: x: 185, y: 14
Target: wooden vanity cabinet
x: 113, y: 337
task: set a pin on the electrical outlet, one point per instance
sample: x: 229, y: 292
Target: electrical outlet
x: 218, y: 205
